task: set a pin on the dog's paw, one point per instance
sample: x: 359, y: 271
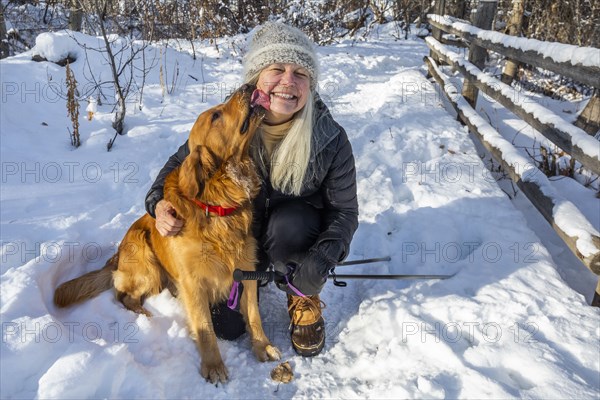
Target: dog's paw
x: 266, y: 352
x: 273, y: 353
x: 214, y: 372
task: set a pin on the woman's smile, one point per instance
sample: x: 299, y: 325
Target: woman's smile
x: 287, y: 86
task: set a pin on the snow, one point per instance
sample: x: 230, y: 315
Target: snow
x: 506, y: 325
x: 559, y: 52
x: 57, y: 46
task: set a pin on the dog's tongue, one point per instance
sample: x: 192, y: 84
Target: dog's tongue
x: 260, y: 98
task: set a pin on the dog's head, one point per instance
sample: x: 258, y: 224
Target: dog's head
x: 227, y: 129
x: 220, y: 141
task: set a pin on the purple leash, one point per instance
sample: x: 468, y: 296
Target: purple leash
x: 234, y: 296
x: 289, y: 284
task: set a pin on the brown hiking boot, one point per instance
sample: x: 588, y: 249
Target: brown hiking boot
x: 307, y: 325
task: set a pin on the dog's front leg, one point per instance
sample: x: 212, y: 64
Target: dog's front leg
x: 200, y: 323
x: 261, y: 346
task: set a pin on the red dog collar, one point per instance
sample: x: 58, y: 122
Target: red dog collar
x: 220, y: 211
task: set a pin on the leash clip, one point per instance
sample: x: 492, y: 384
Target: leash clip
x: 335, y: 281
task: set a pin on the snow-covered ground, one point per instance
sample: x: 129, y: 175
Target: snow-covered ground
x: 506, y: 325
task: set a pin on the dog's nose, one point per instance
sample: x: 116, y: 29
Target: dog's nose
x: 247, y: 88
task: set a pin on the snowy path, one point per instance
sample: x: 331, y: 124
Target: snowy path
x: 505, y: 326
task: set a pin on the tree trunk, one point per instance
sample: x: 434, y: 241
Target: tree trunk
x: 459, y: 9
x: 75, y: 16
x: 120, y: 113
x: 3, y: 35
x: 589, y: 119
x: 514, y: 29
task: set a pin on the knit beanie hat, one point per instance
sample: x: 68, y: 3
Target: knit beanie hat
x: 275, y: 42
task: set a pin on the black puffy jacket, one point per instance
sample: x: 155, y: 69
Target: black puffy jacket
x: 330, y: 185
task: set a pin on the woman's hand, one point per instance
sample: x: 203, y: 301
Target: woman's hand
x: 167, y: 223
x: 310, y: 274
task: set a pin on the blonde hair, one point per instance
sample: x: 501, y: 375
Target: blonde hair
x: 288, y: 163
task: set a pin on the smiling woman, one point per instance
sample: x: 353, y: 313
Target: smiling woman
x: 306, y: 212
x: 287, y: 86
x: 284, y: 139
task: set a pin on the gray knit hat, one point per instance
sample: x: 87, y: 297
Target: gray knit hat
x: 275, y: 42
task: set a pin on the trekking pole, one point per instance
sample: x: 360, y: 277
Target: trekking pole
x: 239, y: 275
x: 268, y: 276
x: 365, y: 261
x: 391, y: 277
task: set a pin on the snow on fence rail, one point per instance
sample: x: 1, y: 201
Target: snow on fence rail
x: 579, y: 63
x: 570, y: 138
x: 570, y: 224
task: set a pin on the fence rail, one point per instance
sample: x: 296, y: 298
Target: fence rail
x: 583, y: 239
x: 581, y: 63
x: 586, y: 149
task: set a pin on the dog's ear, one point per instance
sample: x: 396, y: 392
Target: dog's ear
x: 197, y: 168
x: 189, y: 174
x: 209, y: 163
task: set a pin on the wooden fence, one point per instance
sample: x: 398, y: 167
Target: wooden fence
x: 580, y: 64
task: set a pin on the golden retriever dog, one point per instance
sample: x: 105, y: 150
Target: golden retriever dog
x: 198, y: 262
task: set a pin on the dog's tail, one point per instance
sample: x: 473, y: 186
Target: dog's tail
x: 86, y: 286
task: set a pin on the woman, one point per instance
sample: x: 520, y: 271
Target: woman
x: 307, y: 210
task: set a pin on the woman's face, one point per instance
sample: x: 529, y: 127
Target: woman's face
x: 287, y: 86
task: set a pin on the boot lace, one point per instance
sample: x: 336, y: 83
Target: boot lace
x: 299, y: 306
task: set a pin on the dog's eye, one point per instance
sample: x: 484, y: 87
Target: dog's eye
x: 216, y: 115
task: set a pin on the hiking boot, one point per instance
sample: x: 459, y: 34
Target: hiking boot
x: 307, y: 325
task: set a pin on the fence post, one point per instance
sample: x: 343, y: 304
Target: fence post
x: 589, y: 119
x: 486, y: 10
x: 596, y: 299
x: 515, y: 25
x: 439, y: 8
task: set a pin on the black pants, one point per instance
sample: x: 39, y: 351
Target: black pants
x: 292, y: 228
